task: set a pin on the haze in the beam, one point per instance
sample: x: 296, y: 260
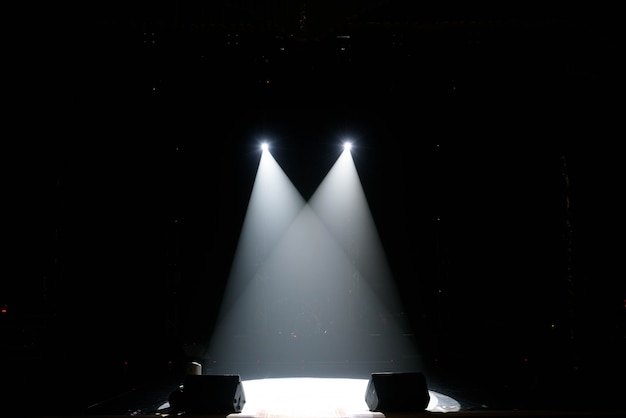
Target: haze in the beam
x: 305, y: 294
x: 341, y: 205
x: 274, y: 203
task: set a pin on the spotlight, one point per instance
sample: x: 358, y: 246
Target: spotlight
x: 397, y: 392
x: 347, y: 145
x: 264, y: 146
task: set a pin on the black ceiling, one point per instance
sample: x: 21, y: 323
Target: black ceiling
x: 321, y: 17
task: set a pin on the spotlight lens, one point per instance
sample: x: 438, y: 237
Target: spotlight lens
x: 264, y: 146
x: 347, y: 145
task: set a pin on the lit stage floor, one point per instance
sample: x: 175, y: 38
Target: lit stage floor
x: 309, y: 397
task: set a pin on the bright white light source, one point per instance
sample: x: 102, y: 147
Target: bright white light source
x: 347, y: 145
x: 264, y: 146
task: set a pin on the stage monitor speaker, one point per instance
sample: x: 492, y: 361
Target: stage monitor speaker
x: 212, y: 394
x: 397, y: 392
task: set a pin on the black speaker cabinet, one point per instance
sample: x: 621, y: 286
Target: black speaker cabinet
x: 212, y: 394
x: 397, y: 392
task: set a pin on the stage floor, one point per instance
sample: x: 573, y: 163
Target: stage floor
x: 313, y: 397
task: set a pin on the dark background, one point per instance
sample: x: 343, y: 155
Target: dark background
x: 487, y: 141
